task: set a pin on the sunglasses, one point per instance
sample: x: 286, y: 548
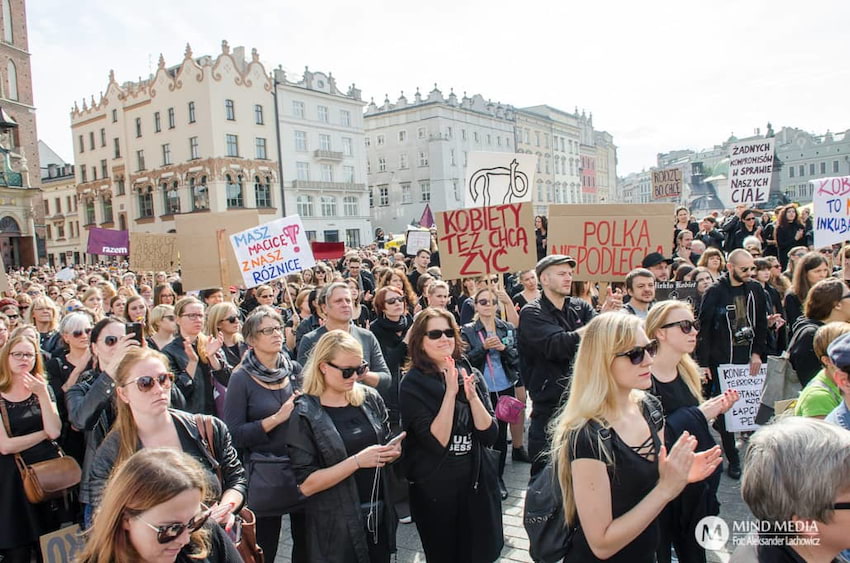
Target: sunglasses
x: 636, y: 354
x: 232, y: 319
x: 393, y: 300
x: 79, y: 333
x: 841, y: 506
x: 825, y: 251
x: 485, y: 302
x: 436, y: 334
x: 13, y: 316
x: 170, y: 532
x: 687, y: 325
x: 360, y: 370
x: 145, y: 382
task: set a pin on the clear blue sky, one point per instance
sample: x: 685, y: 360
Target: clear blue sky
x: 659, y: 75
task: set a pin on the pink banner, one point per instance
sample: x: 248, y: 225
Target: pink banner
x: 108, y: 242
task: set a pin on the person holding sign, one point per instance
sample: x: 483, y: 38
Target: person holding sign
x: 733, y: 316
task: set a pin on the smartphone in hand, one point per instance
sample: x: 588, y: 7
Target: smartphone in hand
x: 136, y: 330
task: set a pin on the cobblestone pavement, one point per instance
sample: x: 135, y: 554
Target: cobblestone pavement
x: 516, y: 541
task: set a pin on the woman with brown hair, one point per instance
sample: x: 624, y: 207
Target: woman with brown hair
x: 790, y: 232
x: 163, y: 294
x: 397, y: 279
x: 136, y: 311
x: 810, y: 269
x: 153, y: 511
x: 712, y: 259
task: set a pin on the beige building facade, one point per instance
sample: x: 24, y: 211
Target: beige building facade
x: 65, y: 244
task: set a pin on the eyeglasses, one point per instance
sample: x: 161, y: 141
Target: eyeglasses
x: 269, y: 330
x: 22, y: 355
x: 636, y: 354
x: 393, y: 300
x: 846, y: 296
x: 170, y: 532
x: 145, y: 382
x: 485, y: 302
x: 360, y: 370
x: 194, y: 316
x: 687, y: 325
x: 436, y: 334
x: 79, y: 333
x: 841, y: 506
x: 750, y: 219
x: 110, y: 340
x: 746, y: 268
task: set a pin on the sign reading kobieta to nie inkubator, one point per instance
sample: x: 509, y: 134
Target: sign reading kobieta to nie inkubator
x: 750, y: 170
x: 742, y: 416
x: 486, y: 240
x: 831, y: 198
x: 608, y: 241
x: 272, y: 250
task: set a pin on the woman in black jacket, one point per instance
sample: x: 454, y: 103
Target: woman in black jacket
x: 737, y: 229
x: 790, y: 232
x: 810, y: 269
x: 447, y: 414
x: 492, y: 350
x: 390, y: 328
x: 338, y: 444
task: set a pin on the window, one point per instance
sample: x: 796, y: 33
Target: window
x: 383, y: 195
x: 350, y: 206
x: 301, y: 141
x: 367, y: 141
x: 116, y: 146
x: 260, y: 143
x: 324, y: 142
x: 304, y: 204
x: 823, y: 167
x: 546, y: 137
x: 119, y: 185
x: 138, y: 127
x: 406, y: 196
x: 322, y: 113
x: 424, y: 192
x: 191, y: 112
x: 368, y: 166
x: 93, y: 173
x: 452, y: 157
x: 104, y: 173
x: 171, y: 198
x: 311, y: 236
x: 331, y: 236
x: 171, y: 118
x: 12, y: 77
x: 235, y: 197
x: 193, y: 148
x: 345, y: 118
x: 489, y: 139
x: 537, y: 138
x: 102, y: 137
x: 802, y: 170
x: 352, y: 238
x: 420, y: 133
x: 58, y: 203
x: 262, y: 191
x: 455, y: 190
x: 348, y: 174
x: 302, y: 171
x: 82, y: 144
x: 157, y: 123
x: 91, y: 140
x: 166, y: 154
x: 402, y: 160
x: 49, y: 234
x: 423, y: 159
x: 463, y: 134
x: 232, y: 142
x: 258, y: 114
x: 379, y: 140
x: 382, y: 164
x: 298, y: 109
x: 402, y: 136
x: 200, y: 193
x: 145, y: 204
x: 60, y: 231
x: 475, y: 136
x: 371, y: 198
x: 835, y: 166
x: 90, y: 218
x: 8, y: 37
x: 449, y: 132
x: 347, y: 146
x: 327, y: 172
x: 229, y: 110
x: 115, y: 116
x: 140, y: 160
x: 328, y: 205
x: 811, y: 169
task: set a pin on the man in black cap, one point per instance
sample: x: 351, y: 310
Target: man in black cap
x: 656, y: 263
x: 550, y: 328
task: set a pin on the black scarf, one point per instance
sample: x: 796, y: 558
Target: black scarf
x: 401, y: 325
x: 257, y: 369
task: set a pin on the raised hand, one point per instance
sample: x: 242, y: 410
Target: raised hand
x: 704, y: 464
x: 674, y: 469
x: 450, y: 375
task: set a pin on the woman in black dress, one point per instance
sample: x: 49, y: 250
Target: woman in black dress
x: 541, y: 231
x: 790, y: 232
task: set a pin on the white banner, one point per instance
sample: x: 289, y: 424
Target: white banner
x: 742, y: 416
x: 831, y: 198
x: 750, y: 170
x: 418, y: 240
x: 498, y: 178
x: 272, y: 250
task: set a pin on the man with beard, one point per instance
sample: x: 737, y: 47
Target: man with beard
x: 733, y: 317
x: 640, y: 285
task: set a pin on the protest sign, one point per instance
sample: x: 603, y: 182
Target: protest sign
x: 486, y: 240
x: 418, y: 240
x: 831, y: 198
x: 151, y: 252
x: 204, y: 262
x: 680, y: 291
x: 107, y: 242
x: 62, y: 546
x: 606, y: 240
x: 272, y: 250
x: 496, y: 178
x: 667, y: 183
x: 750, y: 170
x: 742, y: 416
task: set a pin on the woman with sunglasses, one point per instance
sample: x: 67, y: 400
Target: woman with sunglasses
x: 142, y: 391
x: 163, y: 294
x: 338, y: 442
x: 614, y: 471
x: 30, y: 423
x: 739, y: 228
x: 676, y: 382
x: 163, y: 326
x: 9, y: 308
x: 258, y: 406
x: 446, y: 411
x: 4, y: 329
x: 153, y: 511
x: 492, y: 350
x: 223, y: 318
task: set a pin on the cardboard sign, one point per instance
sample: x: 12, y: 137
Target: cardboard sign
x: 742, y: 416
x: 201, y: 262
x: 750, y: 169
x: 150, y: 252
x: 831, y: 198
x: 497, y: 178
x: 272, y: 250
x: 667, y: 183
x: 62, y: 546
x: 679, y: 291
x: 608, y: 241
x: 418, y: 240
x: 486, y: 240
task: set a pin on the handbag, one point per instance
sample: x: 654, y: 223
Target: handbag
x: 272, y: 489
x: 509, y: 409
x: 549, y: 538
x: 781, y: 383
x: 47, y: 479
x: 246, y: 545
x: 485, y: 507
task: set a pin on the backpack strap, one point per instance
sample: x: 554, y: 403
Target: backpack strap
x: 207, y: 433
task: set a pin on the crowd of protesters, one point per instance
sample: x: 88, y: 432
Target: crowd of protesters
x: 362, y: 393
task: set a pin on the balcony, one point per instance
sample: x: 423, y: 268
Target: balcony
x: 327, y: 186
x: 320, y: 154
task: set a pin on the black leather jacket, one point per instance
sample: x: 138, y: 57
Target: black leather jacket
x: 332, y: 514
x: 232, y: 473
x: 197, y: 389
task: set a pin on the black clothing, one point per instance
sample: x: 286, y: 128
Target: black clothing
x: 693, y: 226
x: 233, y: 354
x: 540, y: 240
x: 390, y: 337
x: 198, y: 388
x: 736, y: 231
x: 801, y: 350
x: 357, y: 434
x: 674, y: 394
x: 786, y: 240
x: 711, y: 239
x: 222, y: 549
x: 306, y: 326
x: 777, y: 339
x: 58, y: 370
x: 793, y: 308
x: 364, y: 318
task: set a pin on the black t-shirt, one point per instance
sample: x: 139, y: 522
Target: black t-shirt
x: 741, y: 324
x: 632, y: 478
x: 674, y: 394
x: 357, y: 433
